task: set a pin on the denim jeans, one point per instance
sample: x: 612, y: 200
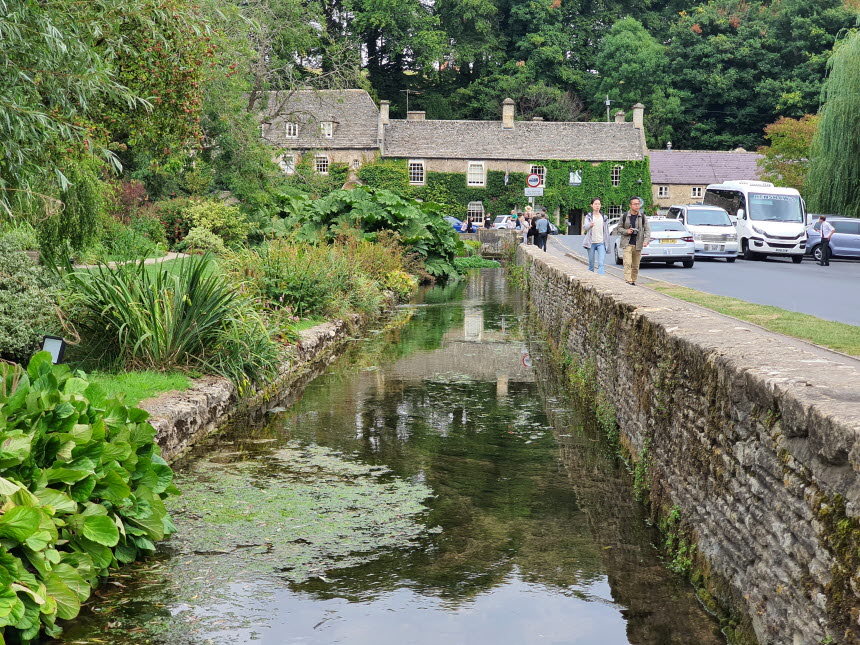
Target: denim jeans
x: 600, y: 251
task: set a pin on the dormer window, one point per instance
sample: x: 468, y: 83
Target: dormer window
x: 327, y: 129
x: 291, y: 130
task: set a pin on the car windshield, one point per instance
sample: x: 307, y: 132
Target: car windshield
x: 707, y: 217
x: 666, y: 225
x: 775, y: 208
x: 501, y: 219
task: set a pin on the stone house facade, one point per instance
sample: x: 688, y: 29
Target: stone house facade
x: 681, y: 176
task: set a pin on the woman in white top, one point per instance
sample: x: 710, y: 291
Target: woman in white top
x: 596, y: 237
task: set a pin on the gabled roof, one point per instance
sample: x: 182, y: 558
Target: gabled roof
x: 526, y: 141
x: 702, y: 167
x: 354, y: 113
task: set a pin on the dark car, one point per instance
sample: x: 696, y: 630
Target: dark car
x: 845, y: 242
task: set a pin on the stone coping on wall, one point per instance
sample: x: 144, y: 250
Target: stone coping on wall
x: 753, y: 436
x: 181, y: 418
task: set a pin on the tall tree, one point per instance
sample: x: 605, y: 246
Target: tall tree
x: 785, y: 161
x: 833, y: 184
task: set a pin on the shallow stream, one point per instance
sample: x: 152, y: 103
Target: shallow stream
x: 434, y: 485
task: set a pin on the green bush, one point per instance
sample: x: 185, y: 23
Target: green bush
x: 173, y: 215
x: 22, y: 235
x: 226, y: 221
x: 475, y: 262
x: 27, y: 302
x: 402, y: 284
x: 201, y: 240
x: 82, y: 484
x: 147, y: 224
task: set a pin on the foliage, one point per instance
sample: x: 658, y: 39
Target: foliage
x: 475, y: 262
x: 21, y: 234
x: 834, y: 172
x: 27, y: 310
x: 133, y: 387
x: 202, y: 240
x: 225, y: 220
x: 786, y: 159
x: 83, y: 487
x: 147, y: 225
x: 400, y: 283
x: 471, y: 247
x: 150, y: 317
x: 173, y: 214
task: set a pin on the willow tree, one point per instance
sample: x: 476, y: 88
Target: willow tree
x: 833, y: 184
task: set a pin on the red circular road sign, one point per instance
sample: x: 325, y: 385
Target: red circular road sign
x: 533, y: 180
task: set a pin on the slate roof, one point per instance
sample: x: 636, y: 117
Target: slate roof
x: 355, y: 115
x: 528, y: 140
x: 701, y: 167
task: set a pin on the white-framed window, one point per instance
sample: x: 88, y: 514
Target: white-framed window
x: 287, y: 164
x: 327, y: 129
x: 614, y: 211
x: 356, y: 163
x: 475, y: 210
x: 416, y: 172
x: 321, y: 164
x: 696, y: 191
x: 540, y: 171
x: 475, y: 174
x: 616, y: 175
x: 291, y: 130
x: 662, y: 191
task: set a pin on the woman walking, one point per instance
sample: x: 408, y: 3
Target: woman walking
x: 596, y: 237
x: 526, y: 223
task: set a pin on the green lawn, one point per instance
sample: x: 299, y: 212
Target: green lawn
x: 140, y: 385
x: 839, y: 336
x: 307, y: 323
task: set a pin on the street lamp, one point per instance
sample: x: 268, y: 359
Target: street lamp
x: 56, y: 346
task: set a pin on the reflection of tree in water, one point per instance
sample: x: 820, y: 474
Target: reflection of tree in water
x: 661, y: 608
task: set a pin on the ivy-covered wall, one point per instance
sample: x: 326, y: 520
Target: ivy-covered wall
x: 450, y: 189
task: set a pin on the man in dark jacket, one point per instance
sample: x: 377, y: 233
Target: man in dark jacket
x: 635, y: 235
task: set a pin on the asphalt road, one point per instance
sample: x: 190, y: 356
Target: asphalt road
x: 830, y: 292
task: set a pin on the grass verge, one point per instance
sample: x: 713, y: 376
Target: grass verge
x: 307, y: 323
x: 834, y: 335
x: 138, y: 386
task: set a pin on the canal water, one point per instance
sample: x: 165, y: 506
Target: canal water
x: 434, y: 485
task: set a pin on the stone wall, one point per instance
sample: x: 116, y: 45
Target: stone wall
x: 494, y: 241
x: 749, y: 439
x: 183, y: 418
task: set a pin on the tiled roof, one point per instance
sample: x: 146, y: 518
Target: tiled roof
x: 353, y: 111
x: 528, y: 140
x: 701, y: 167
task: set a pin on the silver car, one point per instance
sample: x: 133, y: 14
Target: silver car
x: 670, y: 242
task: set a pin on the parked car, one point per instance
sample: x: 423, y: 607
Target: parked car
x: 713, y: 232
x: 503, y: 221
x: 453, y: 221
x: 670, y: 242
x: 845, y: 242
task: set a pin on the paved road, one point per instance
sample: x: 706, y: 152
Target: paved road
x: 830, y: 292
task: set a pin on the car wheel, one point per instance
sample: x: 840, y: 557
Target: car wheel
x: 688, y: 264
x: 816, y: 252
x: 748, y: 252
x: 730, y: 259
x: 797, y: 259
x: 617, y: 259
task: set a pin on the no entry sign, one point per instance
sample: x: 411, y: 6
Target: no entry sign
x: 533, y: 180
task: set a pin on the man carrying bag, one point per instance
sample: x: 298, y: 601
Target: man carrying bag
x: 635, y: 235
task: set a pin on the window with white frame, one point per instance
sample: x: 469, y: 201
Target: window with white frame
x: 287, y: 164
x: 614, y: 211
x: 540, y: 171
x: 696, y: 191
x: 356, y: 163
x: 662, y: 191
x: 321, y: 164
x: 616, y: 175
x: 416, y: 172
x: 327, y: 129
x: 475, y: 210
x: 475, y: 174
x: 291, y: 130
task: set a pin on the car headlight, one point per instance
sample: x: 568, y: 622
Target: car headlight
x: 758, y: 230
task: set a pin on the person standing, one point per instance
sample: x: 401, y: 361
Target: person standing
x: 542, y: 231
x: 488, y: 221
x: 827, y: 230
x: 596, y: 237
x: 635, y: 235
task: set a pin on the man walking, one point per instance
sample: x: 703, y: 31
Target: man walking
x: 635, y: 235
x: 826, y: 229
x: 542, y: 228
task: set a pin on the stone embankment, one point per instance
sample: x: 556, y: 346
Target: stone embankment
x: 183, y: 418
x: 494, y: 242
x: 748, y: 442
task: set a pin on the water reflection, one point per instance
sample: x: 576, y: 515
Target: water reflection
x: 541, y: 541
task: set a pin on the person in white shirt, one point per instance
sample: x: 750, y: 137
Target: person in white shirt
x: 826, y: 229
x: 596, y: 237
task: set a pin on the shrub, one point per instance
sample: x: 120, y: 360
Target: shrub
x: 225, y: 220
x: 173, y: 214
x: 474, y: 262
x: 200, y: 240
x: 27, y: 308
x: 22, y: 235
x: 146, y: 223
x: 401, y: 284
x: 83, y: 485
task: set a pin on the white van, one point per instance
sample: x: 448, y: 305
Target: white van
x: 712, y: 229
x: 769, y: 220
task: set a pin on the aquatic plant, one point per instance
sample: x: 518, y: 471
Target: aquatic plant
x: 82, y: 484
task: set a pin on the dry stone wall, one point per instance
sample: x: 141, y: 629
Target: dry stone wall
x: 749, y: 437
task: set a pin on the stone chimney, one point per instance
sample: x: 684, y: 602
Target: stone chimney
x: 508, y: 114
x: 383, y: 111
x: 668, y: 146
x: 619, y: 116
x: 639, y: 116
x: 415, y: 115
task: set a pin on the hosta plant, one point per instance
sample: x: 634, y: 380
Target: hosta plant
x: 82, y: 486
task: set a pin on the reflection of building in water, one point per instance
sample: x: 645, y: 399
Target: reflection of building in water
x: 473, y: 324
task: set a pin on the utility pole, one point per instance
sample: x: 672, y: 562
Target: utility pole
x: 607, y: 102
x: 408, y: 92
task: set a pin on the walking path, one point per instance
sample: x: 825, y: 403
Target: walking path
x: 166, y: 258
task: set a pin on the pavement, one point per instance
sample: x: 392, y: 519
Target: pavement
x: 165, y: 258
x: 831, y: 293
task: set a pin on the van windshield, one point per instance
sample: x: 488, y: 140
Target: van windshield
x: 775, y: 208
x: 707, y: 217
